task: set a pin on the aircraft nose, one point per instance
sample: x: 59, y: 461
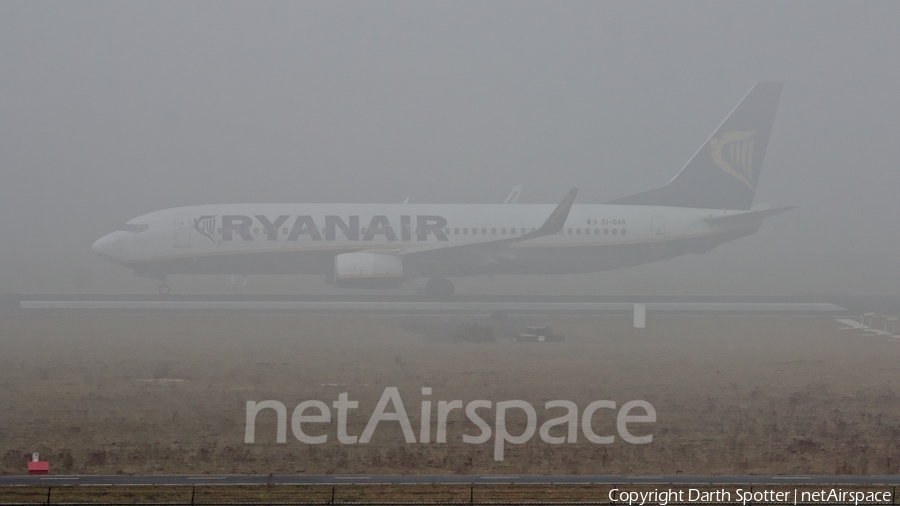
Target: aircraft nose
x: 109, y: 246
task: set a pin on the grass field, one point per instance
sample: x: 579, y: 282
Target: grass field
x: 414, y: 494
x: 154, y: 394
x: 286, y: 493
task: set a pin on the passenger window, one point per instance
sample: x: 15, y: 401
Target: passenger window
x: 474, y: 231
x: 570, y: 231
x: 605, y: 231
x: 465, y: 231
x: 615, y: 231
x: 587, y: 231
x: 456, y: 231
x: 623, y: 231
x: 483, y: 231
x: 578, y: 231
x: 493, y: 231
x: 503, y: 231
x: 596, y: 231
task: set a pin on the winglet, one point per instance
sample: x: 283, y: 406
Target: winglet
x: 513, y: 196
x: 553, y: 225
x: 556, y: 220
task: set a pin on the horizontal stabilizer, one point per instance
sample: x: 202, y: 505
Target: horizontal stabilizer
x: 749, y: 218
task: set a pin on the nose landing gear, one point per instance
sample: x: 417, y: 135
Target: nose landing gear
x: 164, y: 287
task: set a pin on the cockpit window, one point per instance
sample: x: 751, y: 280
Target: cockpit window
x: 135, y: 228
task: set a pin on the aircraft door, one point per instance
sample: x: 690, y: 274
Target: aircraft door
x: 658, y: 226
x: 182, y: 230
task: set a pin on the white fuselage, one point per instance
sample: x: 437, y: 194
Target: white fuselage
x: 305, y: 238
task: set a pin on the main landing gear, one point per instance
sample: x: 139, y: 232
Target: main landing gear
x: 439, y: 288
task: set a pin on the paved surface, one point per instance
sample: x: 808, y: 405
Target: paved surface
x: 445, y: 479
x: 407, y: 305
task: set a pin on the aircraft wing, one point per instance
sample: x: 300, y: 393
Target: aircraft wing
x: 494, y: 249
x: 748, y: 218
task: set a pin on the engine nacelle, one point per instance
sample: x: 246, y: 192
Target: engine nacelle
x: 367, y: 270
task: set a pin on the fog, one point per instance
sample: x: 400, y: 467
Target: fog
x: 109, y: 110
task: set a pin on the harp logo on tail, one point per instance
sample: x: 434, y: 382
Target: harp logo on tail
x: 733, y: 153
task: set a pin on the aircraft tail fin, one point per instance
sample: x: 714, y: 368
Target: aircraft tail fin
x: 723, y: 173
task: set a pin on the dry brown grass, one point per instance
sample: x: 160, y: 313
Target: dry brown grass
x: 120, y: 494
x: 733, y: 395
x: 410, y: 494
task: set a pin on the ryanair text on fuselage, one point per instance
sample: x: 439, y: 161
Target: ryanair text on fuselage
x: 291, y: 228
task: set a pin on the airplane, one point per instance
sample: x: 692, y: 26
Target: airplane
x: 514, y: 195
x: 708, y: 203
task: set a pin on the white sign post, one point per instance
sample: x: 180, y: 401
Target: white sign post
x: 640, y: 316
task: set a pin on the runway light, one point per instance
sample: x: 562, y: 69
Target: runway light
x: 36, y: 466
x: 867, y: 315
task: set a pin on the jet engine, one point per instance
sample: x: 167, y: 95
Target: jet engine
x: 362, y: 269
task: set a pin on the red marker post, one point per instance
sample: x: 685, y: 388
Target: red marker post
x: 36, y: 466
